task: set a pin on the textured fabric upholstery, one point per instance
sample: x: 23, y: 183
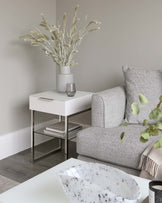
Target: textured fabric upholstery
x: 104, y: 144
x: 126, y: 169
x: 102, y: 141
x: 147, y: 82
x: 108, y: 107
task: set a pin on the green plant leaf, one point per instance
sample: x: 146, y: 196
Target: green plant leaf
x: 152, y: 130
x: 145, y: 122
x: 122, y: 136
x: 158, y: 105
x: 160, y: 141
x: 160, y: 98
x: 157, y: 145
x: 124, y: 124
x: 145, y: 135
x: 135, y: 109
x: 155, y: 114
x: 159, y: 125
x: 143, y: 140
x: 143, y: 99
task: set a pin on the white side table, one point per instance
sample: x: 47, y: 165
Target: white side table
x: 59, y: 104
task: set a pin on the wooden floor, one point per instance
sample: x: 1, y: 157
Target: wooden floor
x: 20, y: 168
x: 6, y: 184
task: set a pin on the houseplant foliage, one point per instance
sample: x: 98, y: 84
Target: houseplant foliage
x: 61, y: 42
x: 151, y: 129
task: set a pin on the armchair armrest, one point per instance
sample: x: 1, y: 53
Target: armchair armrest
x: 108, y: 107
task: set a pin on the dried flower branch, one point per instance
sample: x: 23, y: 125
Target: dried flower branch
x: 61, y: 45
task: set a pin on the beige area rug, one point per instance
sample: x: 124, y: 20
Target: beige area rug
x: 6, y: 184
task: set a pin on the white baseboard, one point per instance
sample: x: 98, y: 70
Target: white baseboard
x: 20, y: 140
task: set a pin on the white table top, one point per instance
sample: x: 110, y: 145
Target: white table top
x: 46, y: 187
x: 59, y: 103
x: 60, y: 96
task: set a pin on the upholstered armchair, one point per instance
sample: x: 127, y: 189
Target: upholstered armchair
x: 101, y: 142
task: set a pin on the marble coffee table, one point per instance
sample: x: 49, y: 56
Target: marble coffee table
x: 46, y: 187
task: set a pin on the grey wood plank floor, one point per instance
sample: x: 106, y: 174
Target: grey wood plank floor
x: 6, y: 184
x: 20, y: 168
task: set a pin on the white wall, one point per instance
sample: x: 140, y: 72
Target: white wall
x: 23, y: 69
x: 131, y: 33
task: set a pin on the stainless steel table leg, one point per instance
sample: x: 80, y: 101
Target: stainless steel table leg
x: 66, y: 137
x: 60, y: 140
x: 33, y: 158
x: 32, y: 135
x: 60, y: 118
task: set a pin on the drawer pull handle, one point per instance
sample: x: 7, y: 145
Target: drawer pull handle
x: 45, y: 99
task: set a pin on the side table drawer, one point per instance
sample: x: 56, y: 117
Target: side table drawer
x: 46, y: 106
x: 77, y: 105
x: 60, y: 107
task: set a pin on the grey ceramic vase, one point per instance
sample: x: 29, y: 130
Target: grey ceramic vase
x: 63, y: 77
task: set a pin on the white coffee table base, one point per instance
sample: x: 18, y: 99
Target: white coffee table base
x: 46, y: 187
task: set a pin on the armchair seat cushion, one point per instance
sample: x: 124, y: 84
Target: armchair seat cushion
x: 105, y: 144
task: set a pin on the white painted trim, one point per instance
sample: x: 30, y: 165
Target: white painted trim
x: 17, y: 141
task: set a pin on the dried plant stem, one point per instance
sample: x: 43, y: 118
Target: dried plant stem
x: 62, y: 44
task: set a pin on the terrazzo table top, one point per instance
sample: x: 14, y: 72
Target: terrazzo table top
x: 46, y: 187
x: 97, y: 183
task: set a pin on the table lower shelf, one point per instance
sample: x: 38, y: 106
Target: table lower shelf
x: 71, y: 134
x: 61, y: 136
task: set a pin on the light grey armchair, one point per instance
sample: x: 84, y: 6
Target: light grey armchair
x: 101, y: 142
